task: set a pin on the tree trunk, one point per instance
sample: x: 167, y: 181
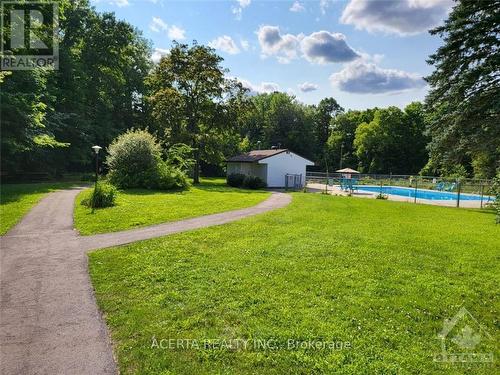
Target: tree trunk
x: 196, y: 171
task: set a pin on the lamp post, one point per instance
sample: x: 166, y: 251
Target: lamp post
x: 96, y: 150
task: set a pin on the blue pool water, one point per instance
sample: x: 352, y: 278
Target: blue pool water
x: 422, y: 194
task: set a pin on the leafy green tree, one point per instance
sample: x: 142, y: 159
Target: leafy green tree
x: 192, y: 101
x: 326, y: 111
x: 27, y: 135
x: 393, y: 142
x: 463, y: 104
x: 341, y: 140
x: 414, y: 137
x: 278, y: 119
x: 100, y: 83
x: 51, y: 118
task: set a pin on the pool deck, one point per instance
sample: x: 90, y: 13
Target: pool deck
x: 335, y: 190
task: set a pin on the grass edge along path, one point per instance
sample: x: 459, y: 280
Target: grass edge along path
x: 18, y: 199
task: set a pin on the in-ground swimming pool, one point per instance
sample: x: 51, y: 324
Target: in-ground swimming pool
x: 421, y: 194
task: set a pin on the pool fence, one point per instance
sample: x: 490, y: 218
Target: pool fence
x: 457, y: 189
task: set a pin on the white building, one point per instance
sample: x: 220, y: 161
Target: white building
x: 272, y: 166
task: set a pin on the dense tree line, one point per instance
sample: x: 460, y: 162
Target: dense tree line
x: 50, y: 118
x: 374, y: 141
x: 107, y: 84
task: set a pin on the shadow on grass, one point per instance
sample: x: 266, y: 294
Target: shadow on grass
x: 212, y: 186
x: 10, y: 193
x: 488, y: 211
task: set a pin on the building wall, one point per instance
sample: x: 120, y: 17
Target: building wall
x: 249, y: 169
x: 284, y: 163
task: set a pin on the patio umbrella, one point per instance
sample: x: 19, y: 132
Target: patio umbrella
x: 347, y: 170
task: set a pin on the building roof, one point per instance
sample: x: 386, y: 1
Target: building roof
x: 255, y: 155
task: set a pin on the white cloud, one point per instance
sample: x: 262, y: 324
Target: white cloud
x: 362, y: 77
x: 325, y: 47
x: 174, y: 32
x: 226, y: 44
x: 238, y: 10
x: 245, y: 44
x: 263, y: 87
x: 307, y: 87
x: 323, y: 5
x: 318, y: 47
x: 272, y: 42
x: 121, y: 3
x: 157, y: 25
x: 403, y: 17
x: 118, y: 3
x: 269, y: 87
x: 177, y: 33
x: 158, y: 53
x: 297, y: 7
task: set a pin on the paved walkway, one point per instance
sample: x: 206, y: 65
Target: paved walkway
x: 49, y: 321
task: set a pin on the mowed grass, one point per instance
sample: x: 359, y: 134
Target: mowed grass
x: 139, y: 207
x: 17, y: 199
x: 379, y: 275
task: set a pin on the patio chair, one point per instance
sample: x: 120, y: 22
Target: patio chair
x: 343, y: 183
x: 440, y: 186
x: 354, y: 183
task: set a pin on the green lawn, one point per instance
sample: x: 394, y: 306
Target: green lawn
x: 379, y: 276
x: 17, y: 199
x: 138, y: 208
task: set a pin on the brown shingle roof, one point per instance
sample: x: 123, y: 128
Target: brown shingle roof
x: 255, y: 155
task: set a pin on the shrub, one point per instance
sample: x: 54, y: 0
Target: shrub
x: 169, y: 177
x: 179, y: 156
x: 103, y: 195
x: 134, y: 161
x: 235, y: 179
x: 254, y: 182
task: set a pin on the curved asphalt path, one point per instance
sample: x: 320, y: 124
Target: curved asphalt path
x: 49, y: 320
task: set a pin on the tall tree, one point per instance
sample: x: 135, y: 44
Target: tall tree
x: 27, y: 135
x: 463, y: 102
x: 100, y: 82
x: 192, y: 101
x: 278, y: 119
x: 326, y: 111
x: 340, y: 144
x: 51, y: 118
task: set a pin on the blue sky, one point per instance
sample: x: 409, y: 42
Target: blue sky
x: 364, y: 53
